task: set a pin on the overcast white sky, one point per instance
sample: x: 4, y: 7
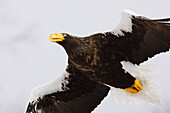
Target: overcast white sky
x: 28, y: 58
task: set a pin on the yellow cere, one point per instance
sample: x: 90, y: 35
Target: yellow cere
x: 56, y: 37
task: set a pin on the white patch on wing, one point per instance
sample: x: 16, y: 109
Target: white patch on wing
x: 125, y: 23
x: 151, y: 91
x: 51, y: 87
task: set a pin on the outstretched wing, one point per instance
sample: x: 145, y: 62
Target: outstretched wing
x: 142, y: 38
x: 71, y: 93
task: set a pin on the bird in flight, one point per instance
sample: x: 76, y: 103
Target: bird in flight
x: 94, y: 64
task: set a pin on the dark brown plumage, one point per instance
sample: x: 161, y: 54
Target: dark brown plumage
x: 94, y: 62
x: 82, y: 96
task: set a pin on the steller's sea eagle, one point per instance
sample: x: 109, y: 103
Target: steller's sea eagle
x: 95, y: 65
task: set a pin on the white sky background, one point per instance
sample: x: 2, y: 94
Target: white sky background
x: 28, y: 58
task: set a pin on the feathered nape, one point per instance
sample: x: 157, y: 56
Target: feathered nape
x: 145, y: 74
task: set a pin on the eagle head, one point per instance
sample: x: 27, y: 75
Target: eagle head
x: 69, y: 42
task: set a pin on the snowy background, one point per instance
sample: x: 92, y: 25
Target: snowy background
x: 28, y: 58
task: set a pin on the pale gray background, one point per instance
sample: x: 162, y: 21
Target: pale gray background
x: 28, y: 58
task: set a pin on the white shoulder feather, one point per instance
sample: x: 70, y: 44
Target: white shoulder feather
x: 125, y: 23
x: 51, y: 87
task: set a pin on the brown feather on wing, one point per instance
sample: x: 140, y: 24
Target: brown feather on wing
x: 147, y: 39
x: 81, y: 96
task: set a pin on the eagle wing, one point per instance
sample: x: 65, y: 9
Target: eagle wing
x: 71, y: 93
x: 142, y: 38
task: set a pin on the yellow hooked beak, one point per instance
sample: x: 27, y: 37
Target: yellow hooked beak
x: 135, y: 88
x: 56, y: 37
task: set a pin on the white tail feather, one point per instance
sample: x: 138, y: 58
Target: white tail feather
x: 151, y: 90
